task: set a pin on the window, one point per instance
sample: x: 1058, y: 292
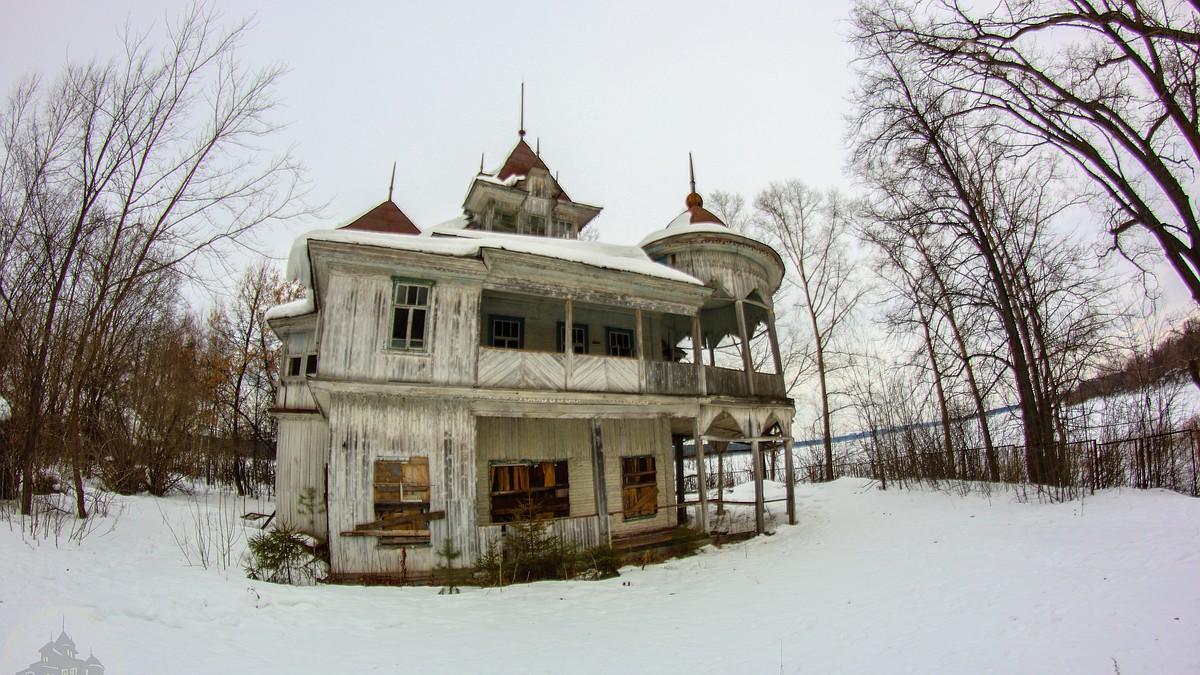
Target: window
x: 506, y: 332
x: 305, y: 364
x: 639, y: 487
x: 410, y: 318
x: 620, y: 341
x: 530, y: 491
x: 562, y: 229
x: 401, y: 497
x: 504, y: 220
x: 535, y: 225
x: 579, y: 337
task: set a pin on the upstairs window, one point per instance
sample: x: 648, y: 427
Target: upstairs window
x: 620, y: 342
x: 579, y: 337
x: 506, y: 332
x: 535, y: 225
x: 504, y: 220
x: 410, y: 317
x: 301, y: 364
x: 562, y: 229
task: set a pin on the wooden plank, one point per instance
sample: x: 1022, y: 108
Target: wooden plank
x: 392, y: 534
x: 398, y: 518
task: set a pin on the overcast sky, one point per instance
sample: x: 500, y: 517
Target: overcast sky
x: 617, y: 93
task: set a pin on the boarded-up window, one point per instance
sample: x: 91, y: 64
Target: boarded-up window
x: 639, y: 486
x: 401, y: 497
x: 530, y: 490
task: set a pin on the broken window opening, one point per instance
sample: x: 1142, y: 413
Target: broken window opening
x: 402, y: 501
x: 530, y: 491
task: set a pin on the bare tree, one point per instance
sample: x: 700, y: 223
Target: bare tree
x: 119, y: 174
x: 1111, y: 84
x: 809, y: 229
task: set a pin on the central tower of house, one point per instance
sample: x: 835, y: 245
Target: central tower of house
x: 441, y: 382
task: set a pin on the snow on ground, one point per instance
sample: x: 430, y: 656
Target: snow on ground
x: 869, y: 581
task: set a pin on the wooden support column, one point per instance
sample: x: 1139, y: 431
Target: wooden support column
x: 701, y: 478
x: 569, y: 346
x: 639, y: 351
x: 790, y: 481
x: 778, y: 360
x: 747, y: 363
x: 697, y: 356
x: 759, y: 506
x: 720, y: 476
x: 598, y: 484
x: 680, y: 489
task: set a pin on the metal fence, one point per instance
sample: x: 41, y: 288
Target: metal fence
x: 1168, y: 460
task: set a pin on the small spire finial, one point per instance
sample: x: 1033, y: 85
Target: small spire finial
x: 538, y: 143
x: 392, y: 183
x: 481, y: 164
x: 521, y: 131
x: 693, y: 198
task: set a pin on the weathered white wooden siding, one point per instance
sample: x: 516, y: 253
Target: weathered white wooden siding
x: 294, y: 395
x: 604, y: 373
x: 736, y: 274
x: 517, y: 369
x: 364, y: 428
x: 581, y: 532
x: 632, y: 438
x: 302, y: 452
x: 357, y: 329
x: 536, y: 439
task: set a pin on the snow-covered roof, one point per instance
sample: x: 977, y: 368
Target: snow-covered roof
x: 450, y: 239
x: 683, y: 224
x: 294, y: 308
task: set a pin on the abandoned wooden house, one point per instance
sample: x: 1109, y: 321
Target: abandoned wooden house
x: 440, y: 383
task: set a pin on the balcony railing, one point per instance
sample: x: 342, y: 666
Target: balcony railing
x: 547, y: 371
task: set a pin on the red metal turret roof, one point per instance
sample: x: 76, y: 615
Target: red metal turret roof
x: 387, y: 217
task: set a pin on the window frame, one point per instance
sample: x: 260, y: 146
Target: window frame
x: 561, y: 334
x: 609, y: 332
x: 634, y: 484
x: 305, y: 364
x: 406, y: 344
x: 534, y: 485
x: 562, y: 229
x: 502, y: 214
x: 413, y: 498
x: 519, y: 320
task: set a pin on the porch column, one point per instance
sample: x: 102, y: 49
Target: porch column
x: 790, y: 481
x: 680, y: 489
x: 774, y: 344
x: 569, y: 345
x: 747, y: 363
x: 756, y: 454
x: 639, y: 352
x: 697, y: 356
x: 701, y: 478
x: 598, y: 484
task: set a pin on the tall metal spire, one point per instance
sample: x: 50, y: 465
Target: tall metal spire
x: 521, y: 131
x: 392, y: 184
x: 481, y: 164
x: 693, y: 198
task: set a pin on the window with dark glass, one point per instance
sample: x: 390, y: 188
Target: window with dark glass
x: 535, y: 225
x: 620, y: 342
x: 504, y: 220
x: 579, y: 337
x: 506, y: 332
x: 410, y: 319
